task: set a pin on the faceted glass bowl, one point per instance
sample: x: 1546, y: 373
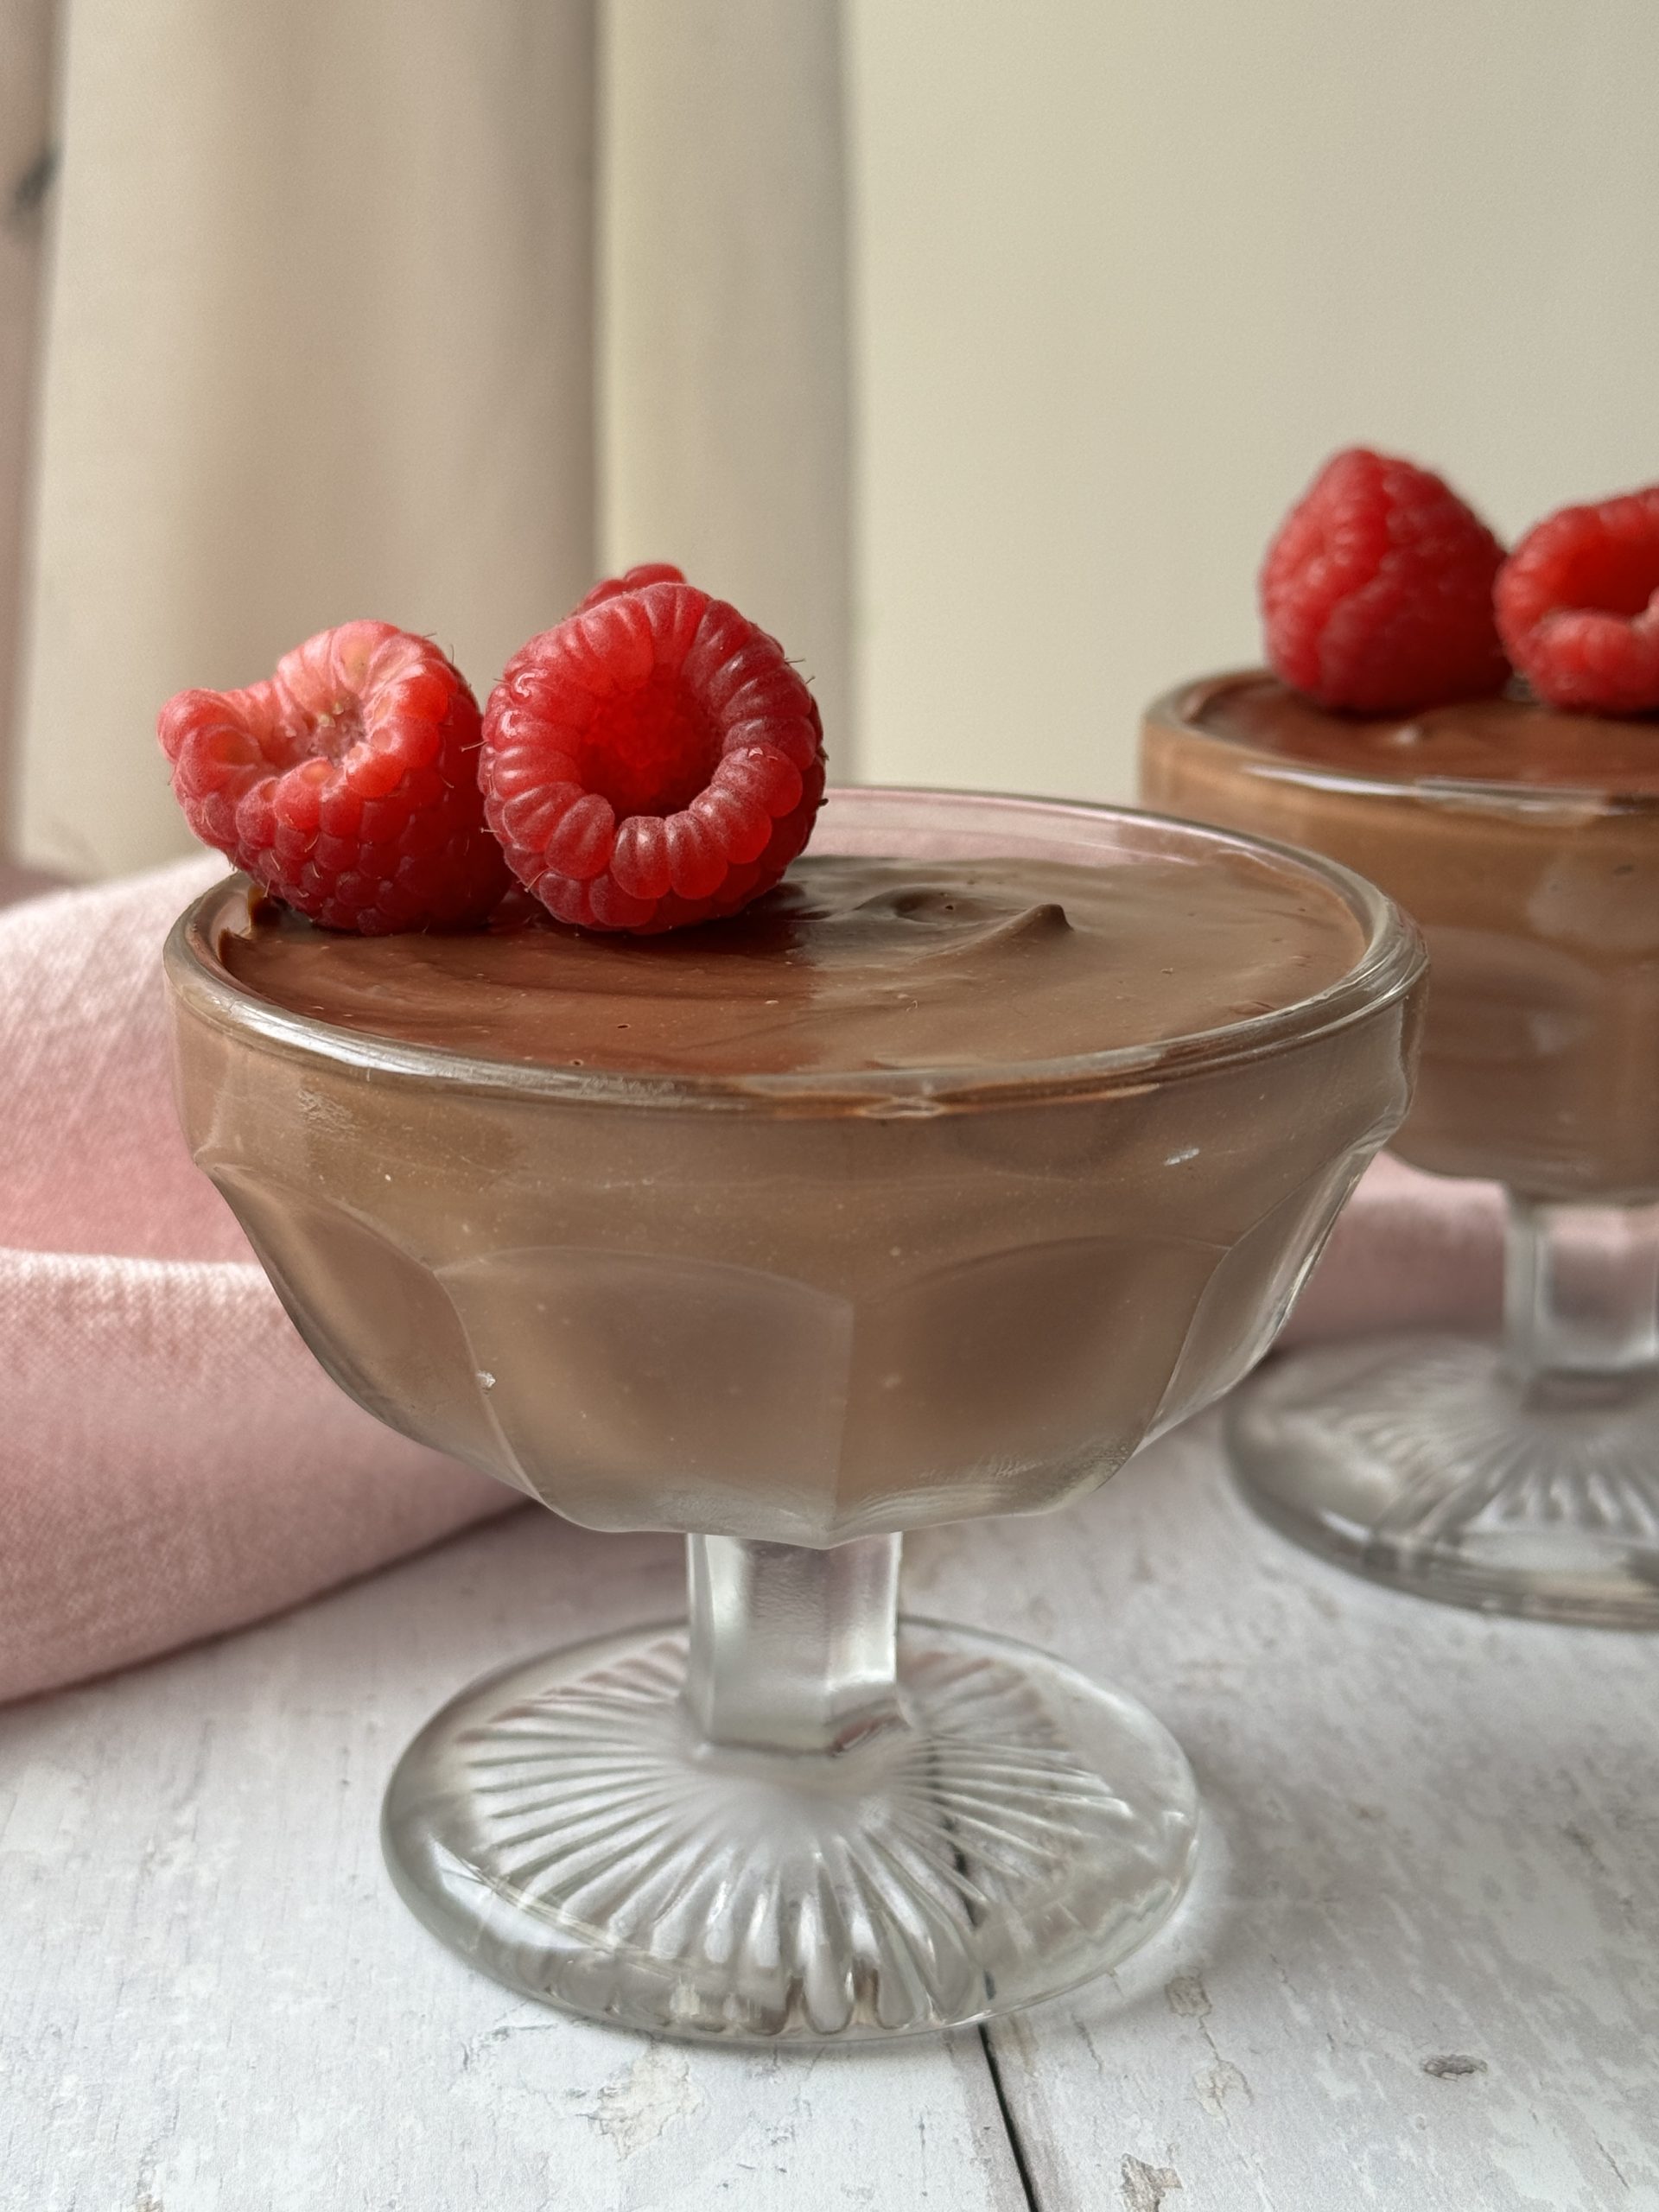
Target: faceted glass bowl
x: 1521, y: 1476
x: 792, y: 1316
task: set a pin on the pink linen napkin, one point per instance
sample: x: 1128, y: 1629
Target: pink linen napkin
x: 1409, y: 1251
x: 172, y: 1460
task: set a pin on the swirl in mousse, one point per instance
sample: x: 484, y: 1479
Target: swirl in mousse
x: 995, y: 1140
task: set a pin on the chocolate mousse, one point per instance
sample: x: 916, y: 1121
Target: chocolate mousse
x: 923, y: 1187
x: 853, y: 963
x: 1525, y: 841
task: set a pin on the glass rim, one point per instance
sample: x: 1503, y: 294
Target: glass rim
x: 1390, y: 962
x: 1169, y: 709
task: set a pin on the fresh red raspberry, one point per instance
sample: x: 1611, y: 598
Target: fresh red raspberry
x: 635, y: 579
x: 651, y: 761
x: 1377, y: 592
x: 346, y: 783
x: 1578, y: 605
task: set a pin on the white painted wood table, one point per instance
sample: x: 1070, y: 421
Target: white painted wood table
x: 1420, y: 1968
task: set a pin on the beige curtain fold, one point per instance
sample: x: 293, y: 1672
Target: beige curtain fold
x: 27, y: 166
x: 724, y: 358
x: 319, y: 344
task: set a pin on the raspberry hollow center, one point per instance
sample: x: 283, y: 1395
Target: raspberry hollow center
x: 649, y: 750
x: 1612, y: 578
x: 333, y: 734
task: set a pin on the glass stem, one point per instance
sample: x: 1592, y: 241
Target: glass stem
x: 792, y: 1650
x: 1581, y: 1299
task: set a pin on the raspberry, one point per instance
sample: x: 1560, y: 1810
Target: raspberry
x: 653, y: 761
x: 647, y: 572
x: 1578, y: 605
x: 1377, y: 592
x: 346, y: 784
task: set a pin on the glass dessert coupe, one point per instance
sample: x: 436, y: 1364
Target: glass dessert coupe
x: 793, y: 1314
x: 1521, y: 1476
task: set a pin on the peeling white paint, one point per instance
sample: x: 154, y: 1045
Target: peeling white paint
x: 635, y: 2106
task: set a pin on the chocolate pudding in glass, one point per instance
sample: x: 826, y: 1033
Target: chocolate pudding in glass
x: 1522, y: 1476
x: 993, y: 1142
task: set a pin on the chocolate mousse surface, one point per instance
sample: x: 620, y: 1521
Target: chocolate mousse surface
x: 852, y: 964
x: 1501, y: 740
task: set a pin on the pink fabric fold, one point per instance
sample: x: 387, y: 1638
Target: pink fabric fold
x: 1409, y: 1251
x: 172, y: 1462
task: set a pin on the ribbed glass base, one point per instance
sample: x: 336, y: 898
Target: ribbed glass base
x: 1017, y: 1829
x: 1421, y: 1461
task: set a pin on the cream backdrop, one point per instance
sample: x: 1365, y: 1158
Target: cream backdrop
x: 976, y: 347
x: 1127, y: 269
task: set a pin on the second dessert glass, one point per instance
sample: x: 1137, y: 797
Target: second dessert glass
x: 1521, y: 1475
x: 793, y: 1316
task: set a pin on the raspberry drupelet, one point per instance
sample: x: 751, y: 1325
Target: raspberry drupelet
x: 1376, y: 592
x: 651, y: 761
x: 346, y: 784
x: 1578, y: 605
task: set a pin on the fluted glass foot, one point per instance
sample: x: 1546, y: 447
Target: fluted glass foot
x: 1425, y: 1462
x: 1003, y: 1830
